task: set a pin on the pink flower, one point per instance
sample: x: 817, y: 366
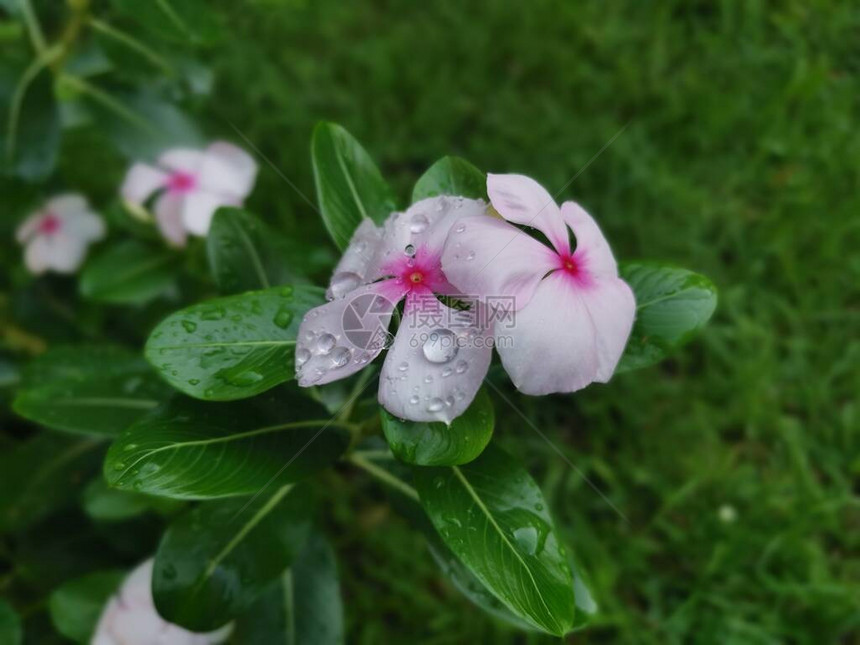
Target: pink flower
x: 439, y: 356
x: 58, y: 235
x: 130, y: 617
x: 191, y: 186
x: 573, y: 313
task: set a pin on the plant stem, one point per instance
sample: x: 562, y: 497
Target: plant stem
x: 37, y: 37
x: 132, y: 43
x: 383, y: 475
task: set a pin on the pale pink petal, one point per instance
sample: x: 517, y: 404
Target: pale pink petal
x: 140, y: 182
x: 432, y: 372
x: 551, y: 346
x: 59, y: 252
x: 37, y: 255
x: 228, y: 170
x: 340, y: 338
x: 592, y: 249
x: 29, y: 227
x: 521, y: 200
x: 84, y: 225
x: 488, y: 258
x: 168, y: 216
x: 198, y: 208
x: 61, y: 205
x: 186, y: 160
x: 612, y: 307
x: 358, y: 261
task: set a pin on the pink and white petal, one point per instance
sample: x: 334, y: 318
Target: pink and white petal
x: 229, y: 170
x: 592, y: 249
x: 551, y: 345
x: 433, y: 373
x: 186, y: 160
x: 198, y: 208
x: 140, y: 182
x: 522, y: 200
x: 85, y: 225
x: 338, y: 339
x: 66, y: 204
x: 488, y: 258
x: 168, y: 217
x: 29, y: 227
x: 358, y: 261
x: 65, y: 252
x: 612, y: 307
x: 37, y: 255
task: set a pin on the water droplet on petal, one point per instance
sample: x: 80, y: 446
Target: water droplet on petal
x: 342, y: 283
x: 460, y: 228
x: 471, y: 255
x: 325, y: 343
x: 340, y: 356
x: 449, y: 400
x: 409, y: 250
x: 414, y: 399
x: 435, y: 405
x: 403, y: 366
x: 419, y: 223
x: 462, y: 366
x: 447, y: 372
x: 440, y: 346
x: 302, y: 356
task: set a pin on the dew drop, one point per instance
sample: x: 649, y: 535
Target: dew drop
x: 414, y: 399
x: 325, y: 343
x: 462, y: 366
x: 340, y: 356
x: 428, y: 378
x: 189, y: 325
x: 212, y: 313
x: 341, y: 284
x: 440, y: 346
x: 460, y: 228
x: 527, y: 538
x: 302, y: 356
x: 245, y: 378
x: 283, y: 318
x: 403, y: 366
x: 419, y: 223
x: 118, y: 465
x: 449, y: 401
x: 435, y: 405
x: 286, y: 291
x: 409, y: 250
x: 471, y: 255
x: 447, y: 372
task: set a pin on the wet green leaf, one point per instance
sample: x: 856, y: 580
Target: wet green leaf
x: 349, y: 185
x: 233, y: 347
x: 193, y: 450
x: 99, y: 392
x: 129, y: 272
x: 302, y: 606
x: 672, y: 306
x: 76, y: 606
x: 245, y: 254
x: 491, y: 514
x: 105, y: 504
x: 215, y: 560
x: 451, y: 176
x: 437, y: 444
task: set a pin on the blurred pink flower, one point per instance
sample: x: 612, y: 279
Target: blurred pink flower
x: 57, y: 236
x: 434, y: 368
x: 191, y: 186
x: 130, y: 618
x: 573, y: 313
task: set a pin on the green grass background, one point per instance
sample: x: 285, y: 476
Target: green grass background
x: 741, y: 159
x: 735, y: 464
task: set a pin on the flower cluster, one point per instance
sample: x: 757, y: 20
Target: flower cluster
x: 573, y: 314
x: 130, y: 617
x: 187, y: 187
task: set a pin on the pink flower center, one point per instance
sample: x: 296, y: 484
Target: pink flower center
x: 49, y: 224
x: 181, y: 182
x: 573, y: 266
x: 418, y: 273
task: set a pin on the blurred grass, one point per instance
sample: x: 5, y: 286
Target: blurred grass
x: 737, y: 463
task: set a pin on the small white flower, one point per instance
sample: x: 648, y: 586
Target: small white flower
x: 191, y: 186
x: 130, y: 618
x: 57, y: 236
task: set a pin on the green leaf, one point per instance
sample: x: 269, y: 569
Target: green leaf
x: 42, y: 475
x: 10, y: 625
x: 215, y: 560
x: 350, y: 187
x: 182, y: 21
x: 98, y: 391
x: 437, y: 444
x: 672, y: 305
x: 245, y: 254
x: 29, y: 121
x: 129, y: 272
x: 493, y: 517
x: 77, y: 605
x: 234, y: 347
x: 302, y: 606
x: 105, y: 504
x: 193, y: 450
x: 451, y: 176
